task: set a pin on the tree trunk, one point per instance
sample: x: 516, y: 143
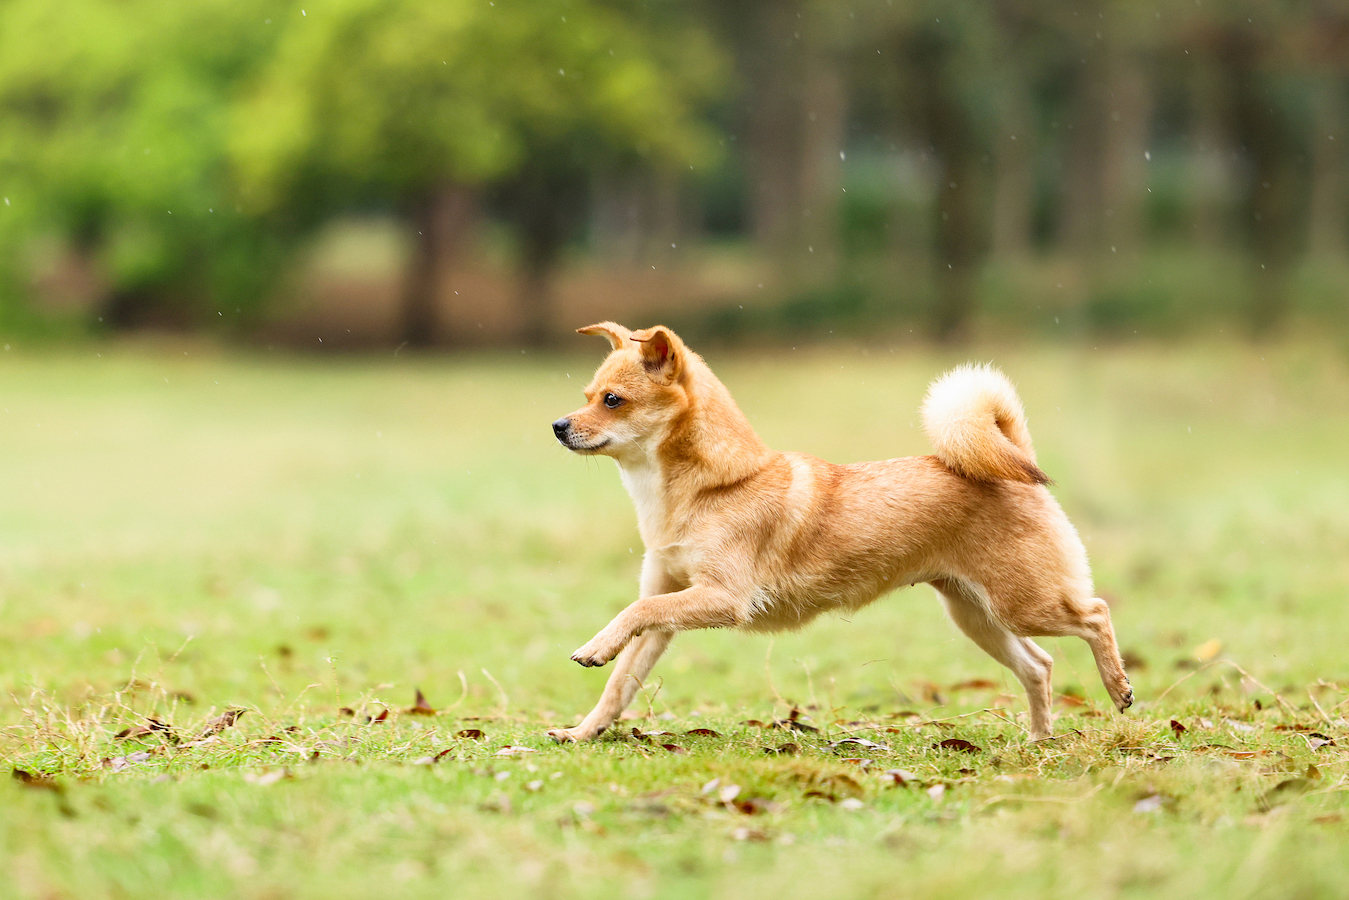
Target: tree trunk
x: 1327, y: 221
x: 823, y: 122
x: 796, y: 109
x: 1080, y: 202
x: 1014, y: 172
x: 770, y: 64
x: 1276, y: 191
x: 1127, y: 122
x: 1210, y: 172
x: 960, y: 232
x: 444, y: 220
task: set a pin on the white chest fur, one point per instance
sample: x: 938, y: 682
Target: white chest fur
x: 646, y: 487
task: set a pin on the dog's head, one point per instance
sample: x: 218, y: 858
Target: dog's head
x: 635, y: 395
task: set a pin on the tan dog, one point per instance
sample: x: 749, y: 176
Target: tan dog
x: 740, y: 535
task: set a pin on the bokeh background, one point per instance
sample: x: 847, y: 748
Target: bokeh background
x: 375, y: 173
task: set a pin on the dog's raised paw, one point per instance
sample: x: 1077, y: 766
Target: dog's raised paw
x: 1125, y: 701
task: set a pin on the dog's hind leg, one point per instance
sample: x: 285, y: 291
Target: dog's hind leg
x: 1091, y: 622
x: 631, y: 667
x: 1029, y: 663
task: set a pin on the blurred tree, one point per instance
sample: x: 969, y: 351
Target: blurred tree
x: 422, y: 103
x: 1262, y: 105
x: 949, y: 64
x: 112, y: 143
x: 791, y: 124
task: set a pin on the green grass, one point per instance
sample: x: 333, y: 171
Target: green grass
x: 185, y: 531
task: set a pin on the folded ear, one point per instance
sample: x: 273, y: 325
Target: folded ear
x: 662, y: 353
x: 616, y: 334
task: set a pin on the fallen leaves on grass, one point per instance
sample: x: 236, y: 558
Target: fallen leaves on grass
x: 419, y: 706
x: 793, y: 722
x: 473, y: 734
x: 121, y: 763
x: 152, y: 726
x: 1208, y: 650
x: 857, y: 742
x: 974, y: 684
x: 220, y: 723
x: 899, y: 778
x: 960, y: 744
x: 432, y: 760
x: 36, y: 780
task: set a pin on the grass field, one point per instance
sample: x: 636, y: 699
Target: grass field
x: 185, y: 532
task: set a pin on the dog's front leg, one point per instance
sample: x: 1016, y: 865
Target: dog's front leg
x: 695, y: 607
x: 631, y: 668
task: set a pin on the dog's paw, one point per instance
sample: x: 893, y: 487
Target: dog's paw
x: 574, y: 735
x: 1125, y: 700
x: 587, y: 659
x: 596, y: 653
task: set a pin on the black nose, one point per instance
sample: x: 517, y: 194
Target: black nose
x: 560, y: 428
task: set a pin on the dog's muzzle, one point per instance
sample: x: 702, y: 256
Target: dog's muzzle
x: 573, y: 441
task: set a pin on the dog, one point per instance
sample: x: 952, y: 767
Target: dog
x: 741, y: 536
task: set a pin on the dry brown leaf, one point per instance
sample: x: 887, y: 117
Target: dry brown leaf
x: 420, y: 707
x: 974, y: 684
x: 959, y: 744
x: 220, y: 723
x: 1177, y: 728
x: 151, y: 726
x: 899, y: 777
x: 702, y: 732
x: 36, y: 780
x: 474, y: 734
x: 1208, y: 650
x: 858, y: 742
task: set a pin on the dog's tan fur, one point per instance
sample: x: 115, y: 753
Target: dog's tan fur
x: 738, y: 535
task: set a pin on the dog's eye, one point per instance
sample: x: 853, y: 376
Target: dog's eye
x: 613, y: 401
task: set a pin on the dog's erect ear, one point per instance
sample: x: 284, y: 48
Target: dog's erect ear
x: 662, y: 353
x: 616, y: 333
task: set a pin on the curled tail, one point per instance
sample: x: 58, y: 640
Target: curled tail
x: 975, y: 421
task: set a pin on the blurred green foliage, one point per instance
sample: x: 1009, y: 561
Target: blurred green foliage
x: 180, y: 151
x: 168, y: 164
